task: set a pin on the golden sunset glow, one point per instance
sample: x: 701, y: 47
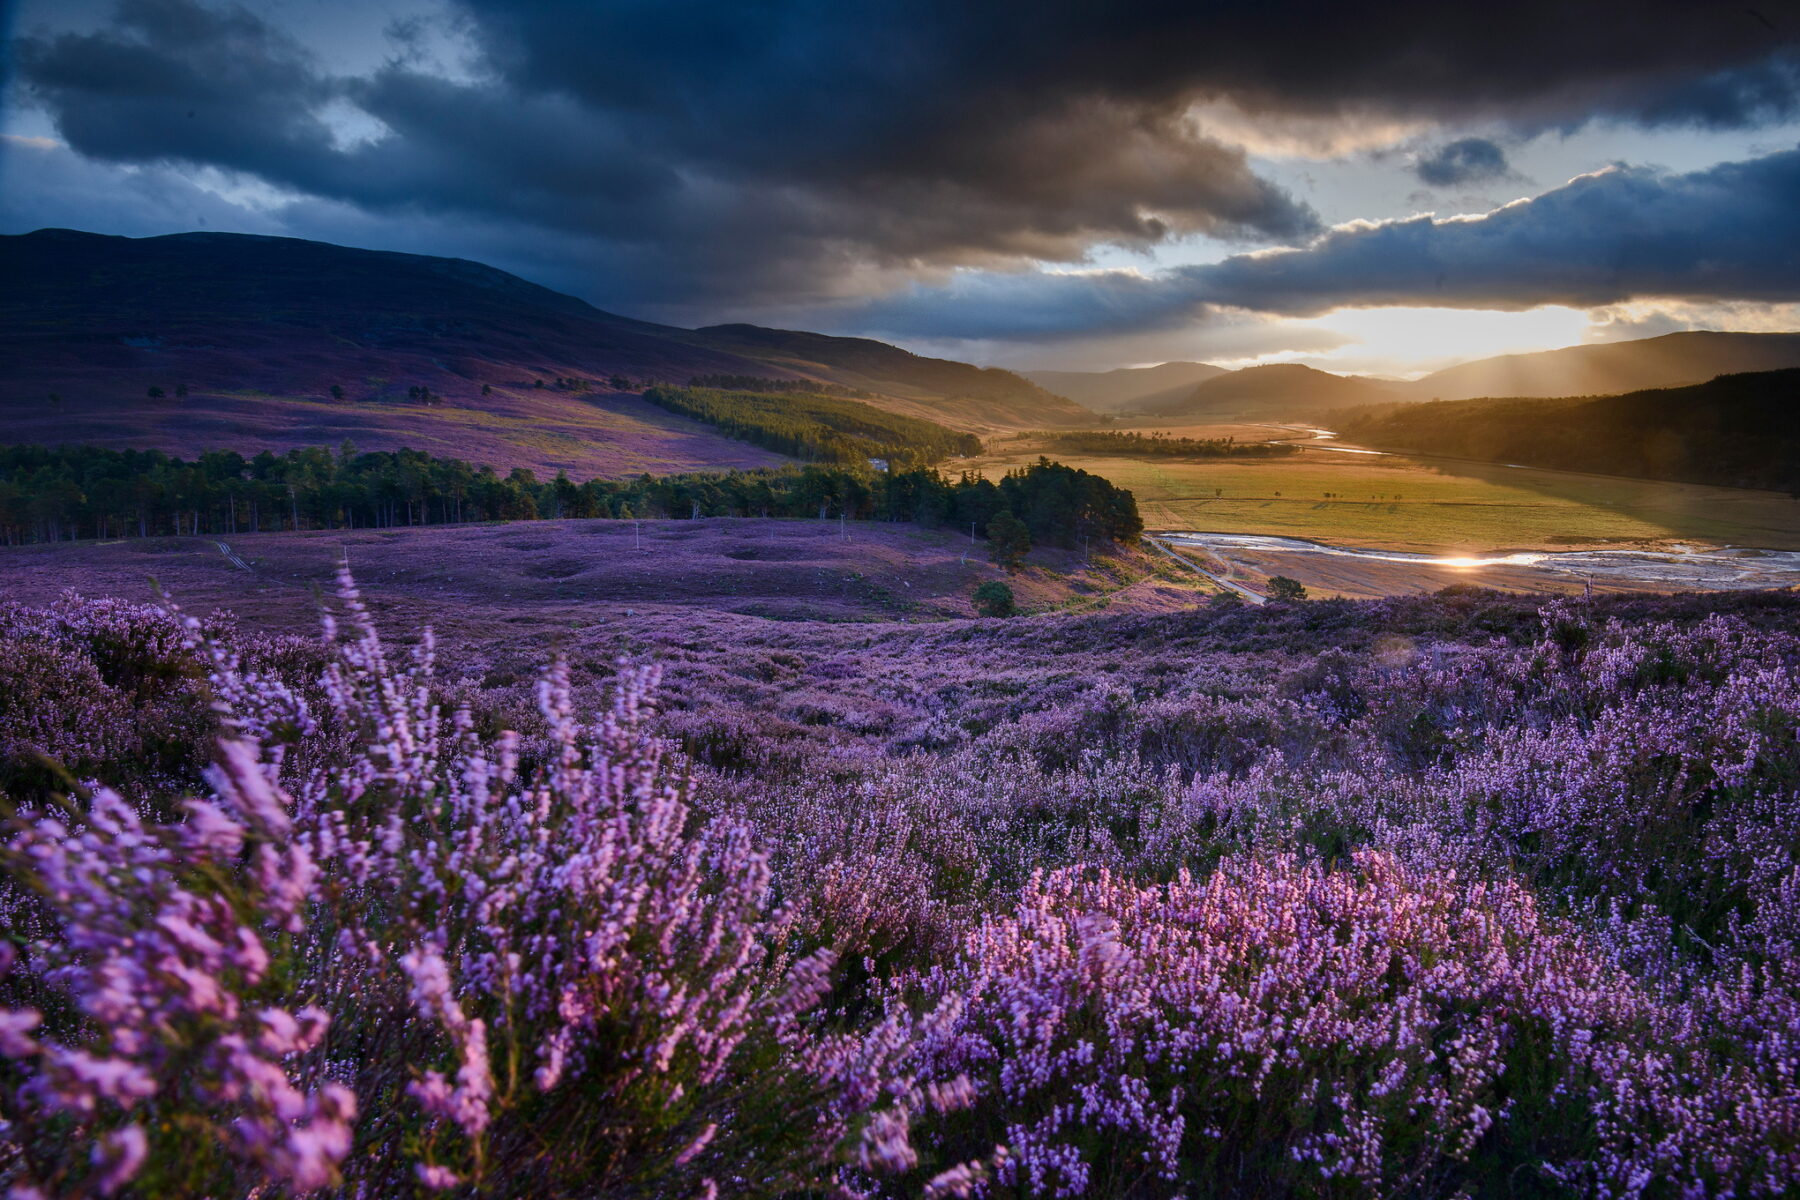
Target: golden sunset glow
x: 1413, y: 340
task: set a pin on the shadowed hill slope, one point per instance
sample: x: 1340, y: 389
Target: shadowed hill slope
x: 1127, y: 387
x: 228, y: 341
x: 1279, y: 391
x: 936, y: 388
x: 1736, y: 431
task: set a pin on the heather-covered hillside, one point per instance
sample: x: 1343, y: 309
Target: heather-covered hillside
x: 202, y: 341
x: 1452, y: 895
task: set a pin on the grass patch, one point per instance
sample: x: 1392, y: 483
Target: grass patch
x: 1403, y: 503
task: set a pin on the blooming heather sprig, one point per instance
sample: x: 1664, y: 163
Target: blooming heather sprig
x: 1281, y: 1025
x: 160, y: 947
x: 570, y: 945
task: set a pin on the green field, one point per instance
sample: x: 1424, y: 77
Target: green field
x: 1409, y: 504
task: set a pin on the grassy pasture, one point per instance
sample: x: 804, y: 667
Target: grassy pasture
x: 1403, y: 503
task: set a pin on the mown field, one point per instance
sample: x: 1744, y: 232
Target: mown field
x: 1410, y: 504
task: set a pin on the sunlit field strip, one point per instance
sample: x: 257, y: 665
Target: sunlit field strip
x: 1400, y: 503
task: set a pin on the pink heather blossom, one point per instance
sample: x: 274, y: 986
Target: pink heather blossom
x: 1405, y: 889
x: 692, y: 1150
x: 118, y: 1156
x: 15, y: 1032
x: 437, y: 1179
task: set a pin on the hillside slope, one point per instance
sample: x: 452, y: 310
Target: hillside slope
x: 1127, y: 387
x: 258, y: 331
x: 936, y: 388
x: 1278, y: 392
x: 1672, y: 360
x: 1736, y: 431
x: 272, y: 343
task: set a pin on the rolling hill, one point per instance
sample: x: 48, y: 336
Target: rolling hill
x: 246, y: 338
x: 1127, y: 387
x: 935, y: 388
x: 1736, y: 430
x: 1278, y: 391
x: 1672, y: 360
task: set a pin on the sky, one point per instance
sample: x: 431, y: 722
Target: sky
x: 1377, y: 188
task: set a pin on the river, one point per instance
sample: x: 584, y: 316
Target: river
x: 1729, y: 568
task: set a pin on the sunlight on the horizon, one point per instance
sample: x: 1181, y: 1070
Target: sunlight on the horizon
x: 1414, y: 340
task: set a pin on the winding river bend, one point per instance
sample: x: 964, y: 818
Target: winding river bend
x: 1241, y: 561
x: 1730, y: 568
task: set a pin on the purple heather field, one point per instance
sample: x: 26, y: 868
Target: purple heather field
x: 1469, y: 894
x: 899, y: 600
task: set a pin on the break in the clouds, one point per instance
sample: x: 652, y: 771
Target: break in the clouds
x: 1731, y: 232
x: 861, y: 162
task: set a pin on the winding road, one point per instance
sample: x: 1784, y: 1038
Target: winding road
x: 1222, y: 580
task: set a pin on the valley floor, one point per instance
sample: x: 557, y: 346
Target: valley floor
x: 1437, y: 506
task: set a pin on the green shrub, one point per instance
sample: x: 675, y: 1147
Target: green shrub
x: 995, y: 599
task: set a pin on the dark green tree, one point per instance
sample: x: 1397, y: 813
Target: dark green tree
x: 1286, y: 590
x: 1009, y: 540
x: 995, y: 599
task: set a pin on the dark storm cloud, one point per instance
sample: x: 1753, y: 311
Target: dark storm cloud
x: 1466, y: 160
x: 805, y: 151
x: 173, y: 81
x: 719, y: 209
x: 906, y: 68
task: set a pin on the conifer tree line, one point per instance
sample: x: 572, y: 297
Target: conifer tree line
x: 68, y: 492
x: 761, y: 383
x: 1161, y: 445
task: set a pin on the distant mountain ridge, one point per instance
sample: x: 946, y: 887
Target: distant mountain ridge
x: 1126, y: 387
x: 1609, y: 368
x: 258, y: 331
x: 1277, y: 391
x: 1290, y: 391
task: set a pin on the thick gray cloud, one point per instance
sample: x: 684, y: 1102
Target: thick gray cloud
x: 1464, y: 161
x: 781, y: 209
x: 1731, y: 232
x: 800, y: 151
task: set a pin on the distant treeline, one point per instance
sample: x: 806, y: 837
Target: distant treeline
x: 818, y: 428
x: 758, y: 383
x: 66, y: 492
x: 1735, y: 430
x: 1161, y: 445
